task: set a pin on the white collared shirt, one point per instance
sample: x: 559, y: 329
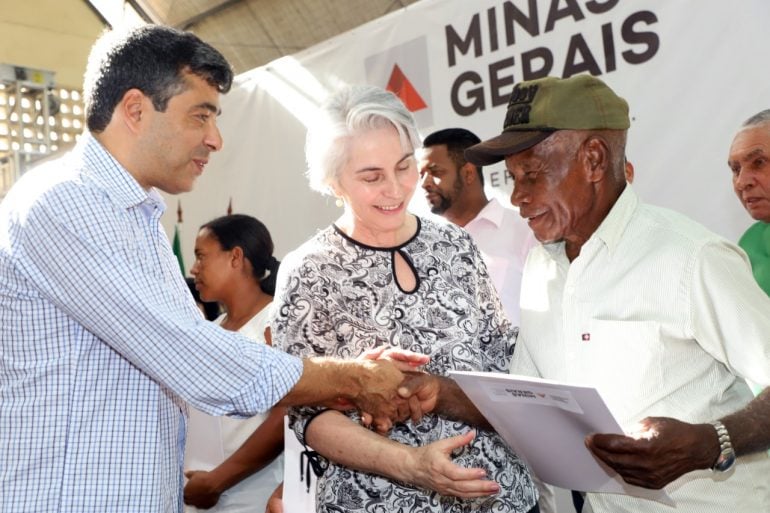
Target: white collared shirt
x: 504, y: 239
x: 664, y: 318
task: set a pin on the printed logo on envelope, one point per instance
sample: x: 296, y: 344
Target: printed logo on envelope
x: 535, y: 395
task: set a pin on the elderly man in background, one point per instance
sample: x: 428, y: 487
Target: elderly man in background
x: 749, y: 162
x: 659, y: 314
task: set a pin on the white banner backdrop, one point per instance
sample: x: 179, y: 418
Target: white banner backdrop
x: 691, y: 72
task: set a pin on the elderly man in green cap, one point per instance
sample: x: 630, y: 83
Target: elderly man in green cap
x: 661, y: 315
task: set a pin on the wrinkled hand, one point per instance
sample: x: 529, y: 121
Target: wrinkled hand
x: 662, y: 450
x: 405, y: 361
x: 431, y: 467
x: 200, y: 490
x: 378, y: 384
x: 419, y: 394
x: 421, y: 390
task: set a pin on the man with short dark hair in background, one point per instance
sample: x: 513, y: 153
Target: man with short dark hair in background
x: 749, y: 161
x: 454, y: 189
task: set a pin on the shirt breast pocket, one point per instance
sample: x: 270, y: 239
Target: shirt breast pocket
x: 626, y: 369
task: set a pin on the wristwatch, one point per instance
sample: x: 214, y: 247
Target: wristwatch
x: 726, y: 458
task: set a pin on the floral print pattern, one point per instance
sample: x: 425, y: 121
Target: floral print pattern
x: 337, y: 297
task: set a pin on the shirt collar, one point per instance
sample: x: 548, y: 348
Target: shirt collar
x: 493, y: 211
x: 611, y: 228
x: 113, y: 178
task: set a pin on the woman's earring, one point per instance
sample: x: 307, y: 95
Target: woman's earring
x: 339, y: 203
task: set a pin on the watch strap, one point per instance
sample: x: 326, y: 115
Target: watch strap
x: 726, y: 457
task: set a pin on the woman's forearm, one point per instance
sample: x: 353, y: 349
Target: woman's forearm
x: 339, y: 439
x: 344, y: 442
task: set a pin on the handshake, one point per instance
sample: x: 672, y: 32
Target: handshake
x: 384, y: 384
x: 415, y: 395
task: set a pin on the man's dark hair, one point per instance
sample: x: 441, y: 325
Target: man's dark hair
x: 153, y: 59
x: 456, y: 141
x: 249, y: 234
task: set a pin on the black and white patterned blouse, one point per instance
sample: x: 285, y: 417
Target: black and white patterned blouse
x: 337, y: 297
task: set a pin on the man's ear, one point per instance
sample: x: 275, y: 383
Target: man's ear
x: 468, y: 173
x: 596, y: 155
x: 131, y: 109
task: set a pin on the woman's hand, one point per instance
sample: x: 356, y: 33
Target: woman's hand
x: 431, y: 467
x: 404, y: 359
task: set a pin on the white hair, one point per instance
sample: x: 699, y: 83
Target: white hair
x: 760, y: 118
x: 349, y: 112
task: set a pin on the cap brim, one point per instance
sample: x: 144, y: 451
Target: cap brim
x: 508, y: 143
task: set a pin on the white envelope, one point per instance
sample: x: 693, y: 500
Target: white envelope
x: 545, y: 423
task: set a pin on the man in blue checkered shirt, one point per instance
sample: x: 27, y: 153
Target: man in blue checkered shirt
x: 101, y: 345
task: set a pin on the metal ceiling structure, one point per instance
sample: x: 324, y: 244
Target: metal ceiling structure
x: 251, y: 33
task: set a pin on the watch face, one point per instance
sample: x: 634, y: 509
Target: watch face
x: 725, y: 461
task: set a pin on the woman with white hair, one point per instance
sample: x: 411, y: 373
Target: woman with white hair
x: 383, y: 277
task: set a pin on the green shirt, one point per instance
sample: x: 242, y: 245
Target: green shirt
x: 756, y: 243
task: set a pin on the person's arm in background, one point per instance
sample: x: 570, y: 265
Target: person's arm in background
x: 275, y: 502
x: 731, y: 322
x: 204, y: 488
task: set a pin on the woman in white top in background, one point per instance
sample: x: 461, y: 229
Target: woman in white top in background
x: 233, y: 465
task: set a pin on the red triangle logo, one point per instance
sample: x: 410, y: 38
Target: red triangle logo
x: 399, y: 85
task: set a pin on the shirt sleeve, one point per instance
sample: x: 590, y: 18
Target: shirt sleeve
x: 68, y: 257
x: 729, y: 312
